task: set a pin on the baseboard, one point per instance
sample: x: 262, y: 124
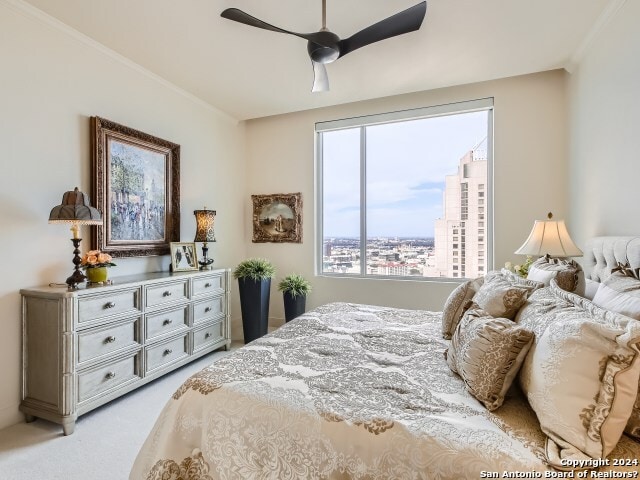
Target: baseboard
x: 10, y: 416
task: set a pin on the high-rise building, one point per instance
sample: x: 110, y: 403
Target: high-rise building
x: 460, y: 235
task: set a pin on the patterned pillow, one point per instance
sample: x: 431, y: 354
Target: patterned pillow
x: 567, y: 273
x: 620, y: 293
x: 487, y: 353
x: 503, y: 293
x: 581, y: 373
x: 457, y: 304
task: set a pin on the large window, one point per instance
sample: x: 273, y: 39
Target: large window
x: 406, y: 194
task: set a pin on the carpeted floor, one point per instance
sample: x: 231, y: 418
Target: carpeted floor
x: 105, y: 442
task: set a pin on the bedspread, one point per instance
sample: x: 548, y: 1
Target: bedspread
x: 344, y: 391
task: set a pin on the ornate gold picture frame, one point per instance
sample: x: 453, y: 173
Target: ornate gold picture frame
x: 136, y: 184
x: 277, y: 218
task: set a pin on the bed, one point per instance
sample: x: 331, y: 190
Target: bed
x: 355, y: 391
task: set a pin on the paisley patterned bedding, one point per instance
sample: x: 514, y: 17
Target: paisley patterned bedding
x: 344, y: 391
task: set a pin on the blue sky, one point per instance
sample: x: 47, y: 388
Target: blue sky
x: 406, y: 166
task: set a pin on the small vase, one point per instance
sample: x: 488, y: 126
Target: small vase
x: 97, y: 275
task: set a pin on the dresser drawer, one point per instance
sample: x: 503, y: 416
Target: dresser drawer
x: 108, y: 377
x: 166, y: 352
x: 100, y: 341
x: 112, y: 303
x: 208, y: 309
x: 167, y: 321
x: 209, y: 285
x: 205, y: 336
x: 167, y: 293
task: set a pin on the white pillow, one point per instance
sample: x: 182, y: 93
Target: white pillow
x: 621, y: 294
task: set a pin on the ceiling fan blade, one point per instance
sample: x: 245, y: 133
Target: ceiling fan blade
x: 320, y: 78
x: 239, y: 16
x: 408, y: 20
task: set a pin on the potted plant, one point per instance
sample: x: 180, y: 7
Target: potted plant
x: 254, y: 281
x: 294, y: 290
x: 95, y: 264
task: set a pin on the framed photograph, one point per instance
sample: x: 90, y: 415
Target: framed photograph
x: 277, y: 218
x: 183, y: 256
x: 136, y: 185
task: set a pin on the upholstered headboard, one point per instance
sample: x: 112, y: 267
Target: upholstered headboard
x: 604, y: 253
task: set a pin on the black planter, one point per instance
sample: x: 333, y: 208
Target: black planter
x: 254, y: 305
x: 293, y: 306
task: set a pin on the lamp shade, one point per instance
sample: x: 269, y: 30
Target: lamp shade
x: 204, y: 225
x: 75, y: 208
x: 549, y: 237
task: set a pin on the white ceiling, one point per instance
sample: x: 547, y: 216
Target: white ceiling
x: 249, y: 72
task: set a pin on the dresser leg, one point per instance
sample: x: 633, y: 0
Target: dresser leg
x: 29, y: 418
x: 68, y: 428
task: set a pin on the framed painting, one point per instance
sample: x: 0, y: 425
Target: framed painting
x: 183, y: 256
x: 277, y: 218
x: 136, y: 184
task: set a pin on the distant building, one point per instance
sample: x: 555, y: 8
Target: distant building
x: 460, y: 236
x: 327, y: 249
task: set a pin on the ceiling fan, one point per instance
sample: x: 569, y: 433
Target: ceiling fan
x: 325, y: 46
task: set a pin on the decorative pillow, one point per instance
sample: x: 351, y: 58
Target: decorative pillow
x: 633, y: 425
x: 487, y: 353
x: 567, y: 273
x: 620, y: 293
x: 581, y: 373
x: 457, y: 304
x: 503, y: 293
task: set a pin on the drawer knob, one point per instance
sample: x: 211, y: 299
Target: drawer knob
x: 207, y: 285
x: 110, y: 375
x: 207, y: 335
x: 109, y: 305
x: 166, y: 294
x: 110, y: 339
x: 168, y: 321
x: 168, y: 351
x: 208, y: 309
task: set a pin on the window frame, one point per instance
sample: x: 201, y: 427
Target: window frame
x: 483, y: 104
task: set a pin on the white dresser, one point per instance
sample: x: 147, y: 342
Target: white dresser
x: 83, y: 348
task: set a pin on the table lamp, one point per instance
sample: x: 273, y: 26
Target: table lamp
x: 549, y: 237
x: 76, y: 210
x: 205, y: 233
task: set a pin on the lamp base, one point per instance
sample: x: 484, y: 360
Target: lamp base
x: 74, y: 279
x: 77, y: 276
x: 206, y: 263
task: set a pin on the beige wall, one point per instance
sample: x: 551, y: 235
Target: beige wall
x: 50, y: 84
x: 530, y: 179
x: 605, y: 131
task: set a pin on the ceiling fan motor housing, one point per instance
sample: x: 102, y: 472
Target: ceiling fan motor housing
x: 325, y: 48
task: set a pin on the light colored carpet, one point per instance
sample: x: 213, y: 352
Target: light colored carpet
x: 105, y: 442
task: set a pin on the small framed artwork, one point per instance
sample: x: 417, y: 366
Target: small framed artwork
x: 183, y: 256
x: 277, y: 218
x: 136, y: 184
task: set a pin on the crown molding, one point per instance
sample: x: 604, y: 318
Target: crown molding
x: 22, y: 7
x: 608, y: 14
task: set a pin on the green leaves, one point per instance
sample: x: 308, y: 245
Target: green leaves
x: 255, y: 269
x: 294, y: 285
